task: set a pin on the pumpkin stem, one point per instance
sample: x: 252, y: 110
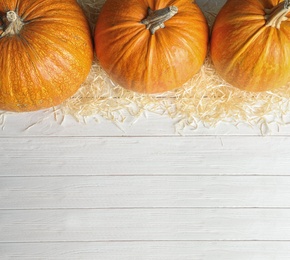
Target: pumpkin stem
x: 278, y: 14
x: 155, y: 19
x: 11, y: 24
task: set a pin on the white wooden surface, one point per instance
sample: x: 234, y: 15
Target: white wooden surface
x: 141, y: 190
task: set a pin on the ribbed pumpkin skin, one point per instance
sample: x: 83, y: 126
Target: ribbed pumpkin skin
x: 49, y: 59
x: 146, y: 63
x: 245, y: 52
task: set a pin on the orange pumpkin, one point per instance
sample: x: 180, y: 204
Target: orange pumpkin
x: 250, y: 44
x: 46, y: 52
x: 151, y: 46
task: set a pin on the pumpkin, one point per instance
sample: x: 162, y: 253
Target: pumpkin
x: 250, y: 44
x: 151, y: 46
x: 46, y: 52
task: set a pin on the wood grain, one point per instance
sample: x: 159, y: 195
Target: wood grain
x: 148, y: 250
x: 137, y: 192
x: 144, y: 155
x: 172, y: 224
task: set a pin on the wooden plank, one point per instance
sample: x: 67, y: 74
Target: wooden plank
x: 45, y: 123
x: 144, y: 192
x: 173, y: 224
x: 147, y: 250
x: 34, y: 156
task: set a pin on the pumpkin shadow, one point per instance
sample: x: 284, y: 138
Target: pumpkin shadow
x: 91, y: 9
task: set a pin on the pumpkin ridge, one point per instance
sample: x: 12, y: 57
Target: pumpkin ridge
x: 62, y: 38
x: 15, y: 94
x: 30, y: 98
x: 167, y: 58
x: 245, y: 46
x: 61, y: 17
x: 42, y: 81
x: 33, y: 46
x: 6, y: 92
x: 281, y: 43
x: 123, y: 50
x: 134, y: 71
x: 282, y: 51
x: 262, y: 60
x: 146, y: 77
x: 30, y: 10
x: 170, y: 60
x: 51, y: 40
x: 250, y: 18
x: 194, y: 52
x: 133, y: 31
x: 32, y: 74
